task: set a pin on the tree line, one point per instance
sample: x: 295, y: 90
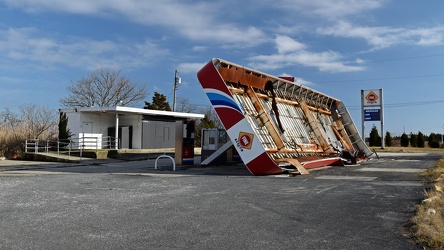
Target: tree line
x: 413, y: 139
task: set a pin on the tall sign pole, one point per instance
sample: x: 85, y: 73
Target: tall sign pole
x: 372, y: 110
x: 362, y: 116
x: 382, y: 120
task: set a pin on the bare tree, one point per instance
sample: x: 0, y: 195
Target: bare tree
x: 184, y: 105
x: 38, y: 122
x: 104, y: 87
x: 32, y: 122
x: 211, y: 114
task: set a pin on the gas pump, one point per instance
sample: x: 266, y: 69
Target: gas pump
x: 188, y: 144
x: 184, y: 146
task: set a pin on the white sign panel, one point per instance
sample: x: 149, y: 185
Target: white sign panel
x: 372, y: 97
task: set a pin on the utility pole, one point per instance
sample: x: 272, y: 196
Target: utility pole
x: 177, y: 81
x: 442, y: 135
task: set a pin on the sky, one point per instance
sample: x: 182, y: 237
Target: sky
x: 335, y: 47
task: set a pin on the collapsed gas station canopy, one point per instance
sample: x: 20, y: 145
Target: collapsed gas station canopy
x: 278, y: 126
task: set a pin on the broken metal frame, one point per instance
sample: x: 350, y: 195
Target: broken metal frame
x: 297, y: 127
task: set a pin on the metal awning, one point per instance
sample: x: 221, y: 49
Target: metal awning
x: 138, y: 111
x: 276, y: 124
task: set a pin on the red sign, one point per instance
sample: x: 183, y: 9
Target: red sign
x: 371, y: 97
x: 245, y: 140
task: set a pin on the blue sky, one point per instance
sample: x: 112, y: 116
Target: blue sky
x: 335, y: 47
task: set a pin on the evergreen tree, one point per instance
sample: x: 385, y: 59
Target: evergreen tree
x: 433, y: 141
x: 159, y: 103
x: 64, y: 132
x: 413, y: 140
x: 375, y: 139
x: 438, y: 137
x: 434, y: 144
x: 432, y: 137
x: 388, y: 139
x: 404, y: 140
x: 206, y: 122
x: 421, y: 140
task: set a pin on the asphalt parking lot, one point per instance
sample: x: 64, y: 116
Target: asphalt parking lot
x: 129, y: 205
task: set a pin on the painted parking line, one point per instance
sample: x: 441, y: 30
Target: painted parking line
x: 24, y: 173
x: 150, y: 174
x: 398, y: 183
x: 371, y: 180
x: 342, y: 177
x: 385, y: 154
x: 393, y: 170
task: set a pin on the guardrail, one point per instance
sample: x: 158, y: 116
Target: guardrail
x: 82, y: 143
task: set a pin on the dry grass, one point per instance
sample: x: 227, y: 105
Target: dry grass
x: 428, y: 229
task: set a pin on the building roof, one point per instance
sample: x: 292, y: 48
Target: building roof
x: 138, y: 111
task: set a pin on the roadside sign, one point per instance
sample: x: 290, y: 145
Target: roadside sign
x: 372, y: 109
x: 372, y: 97
x: 372, y: 114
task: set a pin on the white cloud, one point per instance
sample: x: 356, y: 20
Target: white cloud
x: 170, y: 11
x: 429, y: 36
x: 194, y: 20
x: 327, y: 61
x: 384, y: 37
x: 285, y: 74
x: 187, y: 68
x: 78, y: 7
x: 24, y: 44
x: 327, y: 8
x: 286, y: 44
x: 292, y: 53
x: 299, y: 80
x: 199, y: 48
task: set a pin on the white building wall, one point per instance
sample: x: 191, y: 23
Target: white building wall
x: 80, y: 124
x: 92, y: 127
x: 95, y: 122
x: 100, y: 122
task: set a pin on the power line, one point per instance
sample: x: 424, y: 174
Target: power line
x: 403, y: 104
x: 391, y: 78
x: 383, y: 78
x: 402, y: 58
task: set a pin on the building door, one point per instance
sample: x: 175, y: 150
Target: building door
x: 124, y: 135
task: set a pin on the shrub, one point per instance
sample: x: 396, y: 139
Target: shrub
x: 421, y: 140
x: 413, y: 140
x: 375, y: 139
x: 388, y: 139
x: 434, y: 144
x: 404, y: 140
